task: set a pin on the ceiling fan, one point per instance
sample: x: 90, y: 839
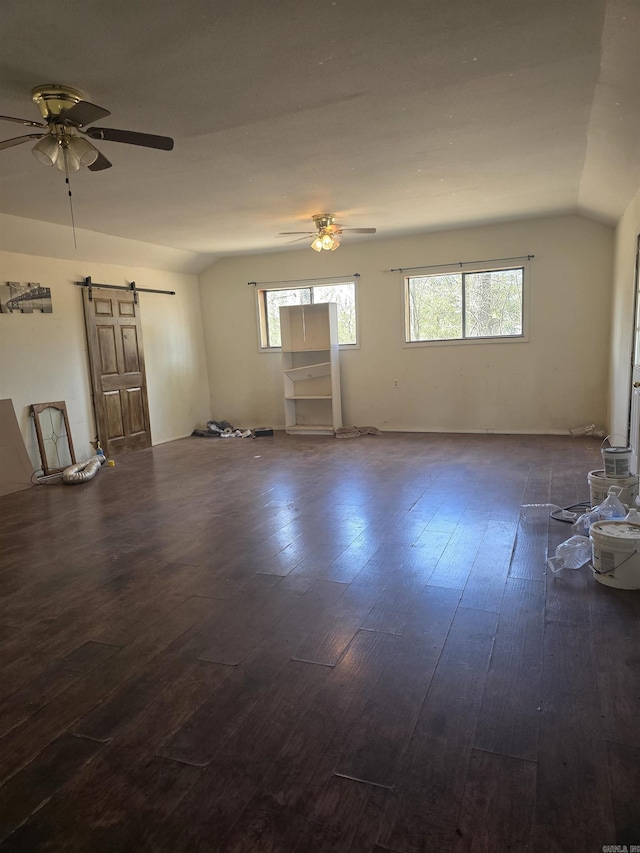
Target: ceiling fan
x: 66, y: 114
x: 326, y: 232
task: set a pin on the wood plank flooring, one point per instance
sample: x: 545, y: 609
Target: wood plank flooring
x: 301, y: 644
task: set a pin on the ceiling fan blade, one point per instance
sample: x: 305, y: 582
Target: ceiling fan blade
x: 24, y: 121
x: 298, y: 239
x: 131, y: 137
x: 99, y: 164
x: 359, y: 230
x: 18, y: 140
x: 82, y: 113
x: 293, y: 233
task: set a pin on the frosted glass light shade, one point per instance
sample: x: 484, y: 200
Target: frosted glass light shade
x: 46, y: 150
x: 317, y: 245
x: 67, y: 160
x: 83, y: 150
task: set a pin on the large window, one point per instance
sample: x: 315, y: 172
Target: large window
x: 343, y: 293
x: 465, y: 305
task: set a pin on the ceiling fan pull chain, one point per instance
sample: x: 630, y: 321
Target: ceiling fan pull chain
x: 73, y: 224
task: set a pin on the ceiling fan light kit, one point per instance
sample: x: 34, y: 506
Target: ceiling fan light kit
x: 68, y: 153
x: 326, y: 242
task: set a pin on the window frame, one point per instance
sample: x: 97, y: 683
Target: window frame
x: 262, y: 314
x: 466, y: 341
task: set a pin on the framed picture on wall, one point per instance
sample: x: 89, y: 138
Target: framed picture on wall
x: 31, y: 298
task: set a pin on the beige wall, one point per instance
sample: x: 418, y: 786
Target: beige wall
x: 43, y: 357
x: 555, y: 381
x: 626, y: 238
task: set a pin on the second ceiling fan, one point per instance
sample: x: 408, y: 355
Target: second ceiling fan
x: 326, y: 232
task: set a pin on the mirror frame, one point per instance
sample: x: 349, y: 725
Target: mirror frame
x: 37, y: 409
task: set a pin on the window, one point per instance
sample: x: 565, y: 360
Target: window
x: 343, y: 293
x: 457, y: 306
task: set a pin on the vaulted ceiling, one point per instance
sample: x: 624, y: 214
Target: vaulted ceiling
x: 408, y: 116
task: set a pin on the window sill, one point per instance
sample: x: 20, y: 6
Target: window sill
x: 515, y: 339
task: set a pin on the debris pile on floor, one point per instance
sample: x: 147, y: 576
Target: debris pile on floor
x: 356, y: 432
x: 221, y: 429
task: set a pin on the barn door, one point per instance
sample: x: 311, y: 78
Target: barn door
x: 116, y: 358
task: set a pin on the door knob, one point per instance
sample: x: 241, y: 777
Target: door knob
x: 636, y: 384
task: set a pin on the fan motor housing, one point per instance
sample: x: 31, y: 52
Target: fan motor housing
x: 323, y: 220
x: 51, y: 99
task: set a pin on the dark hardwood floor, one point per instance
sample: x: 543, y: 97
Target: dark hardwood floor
x: 310, y: 644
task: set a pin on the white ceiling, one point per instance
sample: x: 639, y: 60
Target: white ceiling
x: 407, y: 116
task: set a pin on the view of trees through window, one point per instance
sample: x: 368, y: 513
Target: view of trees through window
x: 342, y: 293
x: 455, y: 306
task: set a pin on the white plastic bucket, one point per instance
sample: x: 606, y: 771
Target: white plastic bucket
x: 616, y: 460
x: 615, y: 547
x: 599, y: 485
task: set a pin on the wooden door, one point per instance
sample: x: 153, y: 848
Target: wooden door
x: 116, y: 358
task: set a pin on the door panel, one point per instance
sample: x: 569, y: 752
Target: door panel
x: 113, y: 411
x: 117, y: 369
x: 130, y: 349
x: 136, y: 410
x: 103, y: 306
x: 107, y: 346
